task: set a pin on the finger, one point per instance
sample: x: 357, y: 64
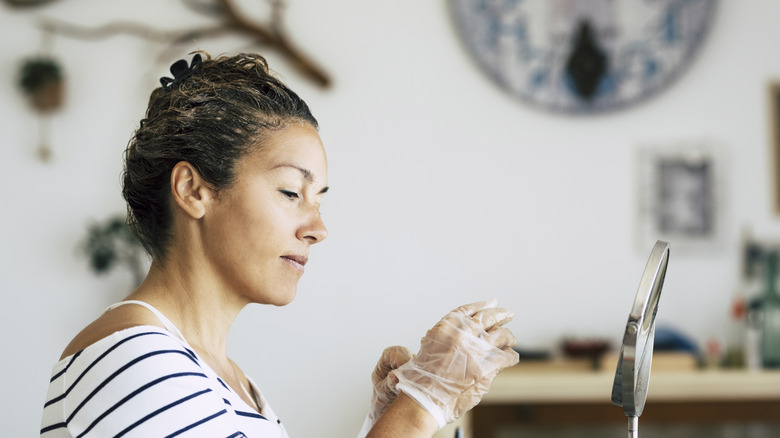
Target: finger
x: 493, y: 317
x: 512, y: 358
x: 502, y: 338
x: 385, y: 389
x: 395, y: 356
x: 504, y: 358
x: 392, y: 358
x: 471, y: 309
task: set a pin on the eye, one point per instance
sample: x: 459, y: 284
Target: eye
x: 289, y: 195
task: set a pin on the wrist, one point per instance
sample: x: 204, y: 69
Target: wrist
x: 426, y: 401
x: 405, y: 417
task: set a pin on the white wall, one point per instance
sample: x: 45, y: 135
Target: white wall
x: 444, y: 190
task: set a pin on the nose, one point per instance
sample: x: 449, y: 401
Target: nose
x: 314, y: 230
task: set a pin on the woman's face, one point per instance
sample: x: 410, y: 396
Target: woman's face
x: 259, y: 231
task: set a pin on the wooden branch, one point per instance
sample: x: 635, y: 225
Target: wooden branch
x: 273, y: 36
x: 105, y: 31
x: 276, y: 38
x: 194, y: 34
x: 204, y: 8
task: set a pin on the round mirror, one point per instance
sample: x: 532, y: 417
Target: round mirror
x: 636, y: 352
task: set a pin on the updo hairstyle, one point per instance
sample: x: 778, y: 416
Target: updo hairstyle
x: 210, y: 120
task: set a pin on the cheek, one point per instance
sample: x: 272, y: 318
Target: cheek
x: 258, y: 230
x: 248, y: 233
x: 228, y: 233
x: 251, y: 224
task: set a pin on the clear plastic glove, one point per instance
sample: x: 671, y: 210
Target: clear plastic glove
x: 384, y: 381
x: 458, y: 360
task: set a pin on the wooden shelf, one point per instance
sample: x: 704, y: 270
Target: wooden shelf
x: 518, y: 386
x: 572, y: 389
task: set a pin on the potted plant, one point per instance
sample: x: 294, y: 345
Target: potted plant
x: 41, y: 81
x: 111, y: 244
x: 26, y: 3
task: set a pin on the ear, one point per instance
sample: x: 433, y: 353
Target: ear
x: 189, y: 190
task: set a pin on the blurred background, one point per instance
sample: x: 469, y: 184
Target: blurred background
x: 446, y: 188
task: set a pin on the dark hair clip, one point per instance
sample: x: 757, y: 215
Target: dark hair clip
x: 181, y: 72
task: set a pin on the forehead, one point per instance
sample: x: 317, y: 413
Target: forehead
x: 295, y: 146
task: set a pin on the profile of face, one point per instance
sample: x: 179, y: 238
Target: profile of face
x: 257, y: 233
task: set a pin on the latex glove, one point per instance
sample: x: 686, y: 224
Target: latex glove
x: 458, y: 360
x: 384, y: 382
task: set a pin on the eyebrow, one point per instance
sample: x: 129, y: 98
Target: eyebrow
x: 307, y: 175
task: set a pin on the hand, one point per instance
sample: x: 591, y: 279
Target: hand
x: 458, y: 360
x: 385, y: 381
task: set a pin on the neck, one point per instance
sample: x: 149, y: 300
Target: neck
x: 194, y: 301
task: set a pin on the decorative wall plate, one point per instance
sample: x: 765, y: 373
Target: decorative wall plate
x: 583, y: 56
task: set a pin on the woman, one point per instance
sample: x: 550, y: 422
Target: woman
x: 223, y: 180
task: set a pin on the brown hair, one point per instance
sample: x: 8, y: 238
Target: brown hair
x: 209, y: 120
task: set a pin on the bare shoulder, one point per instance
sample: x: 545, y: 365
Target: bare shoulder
x: 120, y: 318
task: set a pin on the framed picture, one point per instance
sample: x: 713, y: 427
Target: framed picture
x: 774, y: 135
x: 679, y: 197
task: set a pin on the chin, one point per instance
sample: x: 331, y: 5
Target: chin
x: 272, y: 295
x: 280, y: 299
x: 282, y: 303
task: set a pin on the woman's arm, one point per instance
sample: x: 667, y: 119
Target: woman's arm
x: 404, y: 418
x: 458, y: 360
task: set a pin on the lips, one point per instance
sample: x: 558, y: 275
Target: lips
x: 297, y: 262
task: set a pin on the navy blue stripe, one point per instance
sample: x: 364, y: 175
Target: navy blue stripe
x: 136, y: 392
x: 162, y: 409
x: 227, y: 402
x: 251, y: 414
x: 192, y: 354
x: 101, y: 357
x: 52, y: 427
x: 237, y: 435
x: 197, y: 423
x: 54, y: 377
x: 118, y: 372
x: 223, y: 384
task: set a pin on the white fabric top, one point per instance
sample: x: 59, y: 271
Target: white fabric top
x: 148, y: 382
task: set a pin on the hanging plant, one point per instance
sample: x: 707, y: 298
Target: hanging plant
x: 41, y: 81
x: 26, y: 3
x: 111, y: 244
